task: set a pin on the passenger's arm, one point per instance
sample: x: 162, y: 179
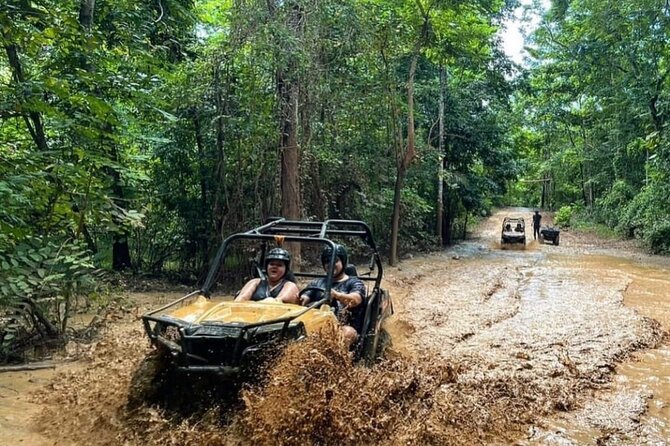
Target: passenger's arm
x: 350, y: 300
x: 247, y: 290
x: 354, y: 295
x: 289, y: 293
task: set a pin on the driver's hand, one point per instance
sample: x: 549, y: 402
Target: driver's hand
x: 269, y: 299
x: 304, y: 300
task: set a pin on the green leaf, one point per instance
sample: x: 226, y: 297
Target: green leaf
x: 170, y: 117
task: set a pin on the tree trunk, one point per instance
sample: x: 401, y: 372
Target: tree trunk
x: 42, y: 321
x: 398, y: 147
x: 120, y: 247
x: 447, y: 221
x: 32, y: 119
x: 202, y: 170
x: 465, y: 226
x: 290, y: 155
x: 288, y: 91
x: 395, y: 220
x: 404, y: 160
x: 121, y: 252
x: 288, y: 87
x: 221, y: 206
x: 86, y: 10
x: 441, y: 159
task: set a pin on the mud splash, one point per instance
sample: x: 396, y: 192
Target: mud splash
x: 313, y: 395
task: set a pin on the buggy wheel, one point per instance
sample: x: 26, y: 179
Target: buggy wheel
x: 383, y: 343
x: 149, y: 380
x: 556, y: 241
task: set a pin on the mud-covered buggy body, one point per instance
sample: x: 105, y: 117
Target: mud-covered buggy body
x: 550, y: 234
x: 200, y: 333
x: 513, y: 231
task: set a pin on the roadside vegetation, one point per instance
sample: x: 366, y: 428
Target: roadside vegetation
x: 135, y: 135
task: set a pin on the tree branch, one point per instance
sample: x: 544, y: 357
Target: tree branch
x: 160, y: 17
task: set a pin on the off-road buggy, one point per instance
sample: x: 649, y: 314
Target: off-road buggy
x: 550, y: 234
x: 206, y: 332
x: 513, y: 231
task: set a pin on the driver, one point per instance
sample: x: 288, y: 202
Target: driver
x: 278, y: 286
x: 348, y: 294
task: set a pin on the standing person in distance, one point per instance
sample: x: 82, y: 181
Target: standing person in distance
x: 536, y: 225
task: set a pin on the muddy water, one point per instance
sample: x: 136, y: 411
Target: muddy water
x: 16, y: 407
x: 636, y: 410
x: 572, y: 322
x: 555, y: 345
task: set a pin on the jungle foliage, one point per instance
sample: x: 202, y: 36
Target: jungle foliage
x: 595, y: 114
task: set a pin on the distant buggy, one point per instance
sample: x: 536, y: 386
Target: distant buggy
x: 549, y: 234
x: 513, y: 231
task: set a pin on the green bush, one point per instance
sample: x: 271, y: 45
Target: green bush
x: 646, y: 213
x: 563, y: 216
x: 657, y: 238
x: 608, y: 210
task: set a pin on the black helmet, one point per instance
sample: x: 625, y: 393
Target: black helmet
x: 278, y: 254
x: 340, y: 252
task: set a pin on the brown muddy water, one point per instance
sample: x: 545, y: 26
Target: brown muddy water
x: 636, y: 408
x: 555, y: 345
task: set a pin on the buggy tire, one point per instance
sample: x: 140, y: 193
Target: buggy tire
x: 383, y: 343
x: 556, y: 241
x: 149, y: 380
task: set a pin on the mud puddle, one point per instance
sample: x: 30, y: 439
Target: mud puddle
x: 636, y: 410
x: 16, y: 407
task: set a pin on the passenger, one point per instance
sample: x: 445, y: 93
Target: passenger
x: 518, y: 228
x: 508, y: 227
x: 278, y: 286
x: 348, y: 294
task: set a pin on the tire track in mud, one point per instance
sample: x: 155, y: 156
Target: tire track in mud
x: 442, y: 312
x: 561, y: 323
x: 635, y: 408
x: 561, y: 341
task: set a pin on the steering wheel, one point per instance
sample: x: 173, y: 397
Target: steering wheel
x: 311, y: 288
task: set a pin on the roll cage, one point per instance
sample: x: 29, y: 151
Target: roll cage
x: 304, y: 231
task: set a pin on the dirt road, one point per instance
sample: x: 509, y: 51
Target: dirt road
x: 555, y: 345
x: 566, y: 320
